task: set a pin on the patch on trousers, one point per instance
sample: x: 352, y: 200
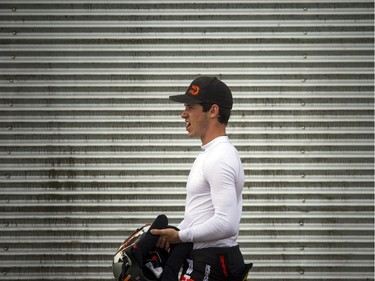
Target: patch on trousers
x: 187, y: 277
x: 207, y: 272
x: 189, y: 270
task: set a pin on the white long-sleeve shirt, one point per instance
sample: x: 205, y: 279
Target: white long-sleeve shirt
x: 214, y: 197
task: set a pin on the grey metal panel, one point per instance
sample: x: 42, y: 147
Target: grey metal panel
x: 91, y: 148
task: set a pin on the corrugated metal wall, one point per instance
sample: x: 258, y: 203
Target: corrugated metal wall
x: 91, y: 148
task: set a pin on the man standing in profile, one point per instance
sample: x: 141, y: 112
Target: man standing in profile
x: 214, y: 188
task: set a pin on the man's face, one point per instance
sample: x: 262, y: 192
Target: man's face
x: 196, y: 120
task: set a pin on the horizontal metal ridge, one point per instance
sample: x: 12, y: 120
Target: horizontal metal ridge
x: 335, y: 9
x: 172, y: 122
x: 66, y: 179
x: 240, y: 93
x: 361, y: 241
x: 71, y: 70
x: 149, y: 216
x: 182, y: 2
x: 259, y: 251
x: 183, y: 143
x: 103, y: 228
x: 186, y: 35
x: 181, y: 12
x: 174, y: 167
x: 175, y: 202
x: 297, y: 106
x: 107, y: 83
x: 81, y: 159
x: 35, y: 117
x: 192, y: 23
x: 178, y: 131
x: 303, y: 48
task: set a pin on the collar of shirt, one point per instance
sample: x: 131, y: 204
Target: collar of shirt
x: 214, y: 142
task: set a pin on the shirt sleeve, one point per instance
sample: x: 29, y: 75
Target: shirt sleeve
x: 221, y: 174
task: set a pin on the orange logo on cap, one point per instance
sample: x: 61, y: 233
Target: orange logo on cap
x: 194, y: 90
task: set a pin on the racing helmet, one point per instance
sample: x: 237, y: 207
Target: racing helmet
x: 126, y: 268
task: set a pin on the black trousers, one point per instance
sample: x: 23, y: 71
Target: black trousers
x: 216, y: 264
x: 176, y: 259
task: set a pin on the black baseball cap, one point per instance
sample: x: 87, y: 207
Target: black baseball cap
x: 206, y: 90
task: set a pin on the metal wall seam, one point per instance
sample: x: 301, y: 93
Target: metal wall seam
x: 91, y: 148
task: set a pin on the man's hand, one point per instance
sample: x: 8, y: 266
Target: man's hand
x: 167, y: 236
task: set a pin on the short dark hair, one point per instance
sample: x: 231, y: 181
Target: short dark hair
x: 224, y: 113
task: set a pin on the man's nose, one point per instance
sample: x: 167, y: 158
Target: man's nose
x: 183, y: 114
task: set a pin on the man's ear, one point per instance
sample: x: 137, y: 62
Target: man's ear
x: 214, y: 111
